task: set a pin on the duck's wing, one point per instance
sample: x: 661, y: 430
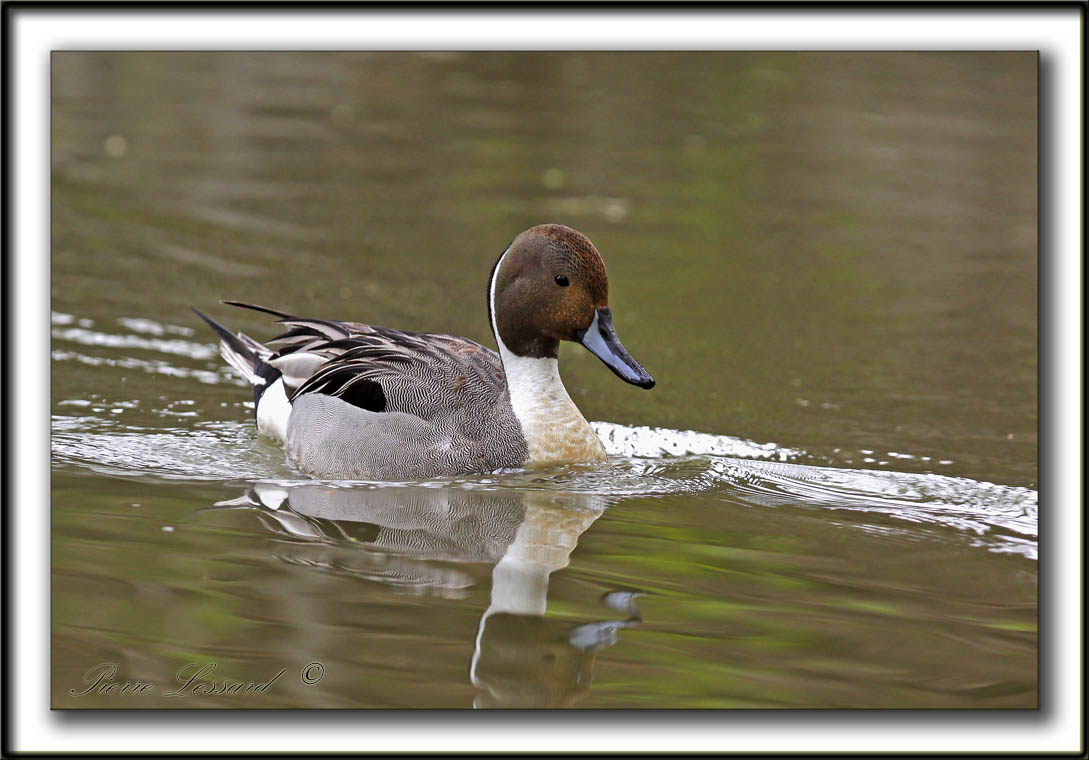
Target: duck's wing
x: 381, y: 369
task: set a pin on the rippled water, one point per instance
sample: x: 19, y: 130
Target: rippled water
x: 866, y: 535
x: 644, y: 461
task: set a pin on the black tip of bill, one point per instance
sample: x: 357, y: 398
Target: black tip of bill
x: 600, y: 340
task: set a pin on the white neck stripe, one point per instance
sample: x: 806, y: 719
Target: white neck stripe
x: 491, y: 301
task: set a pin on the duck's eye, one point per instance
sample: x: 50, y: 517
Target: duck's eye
x: 562, y: 280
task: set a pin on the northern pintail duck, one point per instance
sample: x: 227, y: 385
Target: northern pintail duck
x: 355, y: 401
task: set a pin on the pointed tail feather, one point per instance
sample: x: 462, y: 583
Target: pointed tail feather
x: 255, y: 307
x: 244, y: 354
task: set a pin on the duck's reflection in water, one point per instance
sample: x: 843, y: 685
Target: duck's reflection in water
x: 414, y: 536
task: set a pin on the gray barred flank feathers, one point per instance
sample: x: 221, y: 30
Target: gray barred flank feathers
x: 330, y: 438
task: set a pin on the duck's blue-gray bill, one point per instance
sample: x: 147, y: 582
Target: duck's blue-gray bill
x: 601, y: 341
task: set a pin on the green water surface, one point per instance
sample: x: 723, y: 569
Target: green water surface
x: 829, y: 257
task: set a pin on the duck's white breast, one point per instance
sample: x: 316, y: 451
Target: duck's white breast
x: 553, y: 426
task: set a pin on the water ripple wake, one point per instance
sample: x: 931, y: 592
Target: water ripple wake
x: 644, y: 462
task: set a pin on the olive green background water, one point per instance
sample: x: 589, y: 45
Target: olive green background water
x: 832, y: 255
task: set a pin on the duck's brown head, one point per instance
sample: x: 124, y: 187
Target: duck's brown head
x: 550, y: 285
